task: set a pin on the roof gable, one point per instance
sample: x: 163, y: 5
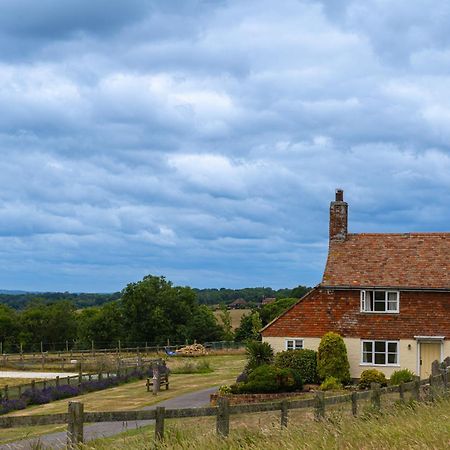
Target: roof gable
x: 407, y: 260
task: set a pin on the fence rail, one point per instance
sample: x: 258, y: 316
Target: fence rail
x: 75, y: 418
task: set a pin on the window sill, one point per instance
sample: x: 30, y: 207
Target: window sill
x: 380, y: 312
x: 378, y: 365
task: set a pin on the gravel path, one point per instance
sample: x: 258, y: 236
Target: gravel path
x: 105, y: 429
x: 26, y: 374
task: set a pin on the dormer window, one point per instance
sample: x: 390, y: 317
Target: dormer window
x: 380, y: 301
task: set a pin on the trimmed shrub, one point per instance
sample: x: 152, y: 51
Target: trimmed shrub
x: 332, y: 358
x: 304, y: 361
x: 268, y: 379
x: 401, y: 376
x: 372, y: 376
x: 330, y: 384
x: 258, y: 354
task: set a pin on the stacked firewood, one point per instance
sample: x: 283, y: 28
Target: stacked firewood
x: 194, y: 350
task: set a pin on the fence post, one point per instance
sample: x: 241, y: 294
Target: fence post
x: 401, y: 391
x: 319, y: 405
x: 57, y: 381
x: 223, y: 417
x: 6, y: 392
x: 415, y: 393
x: 375, y: 397
x: 354, y: 403
x: 284, y: 413
x: 75, y: 424
x: 159, y: 423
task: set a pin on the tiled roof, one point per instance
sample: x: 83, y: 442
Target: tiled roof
x: 409, y: 260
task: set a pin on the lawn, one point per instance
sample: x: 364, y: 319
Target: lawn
x: 133, y: 395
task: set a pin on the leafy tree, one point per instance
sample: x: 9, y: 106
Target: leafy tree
x: 8, y: 327
x: 249, y: 327
x: 203, y: 325
x: 225, y: 319
x: 332, y: 360
x: 275, y: 309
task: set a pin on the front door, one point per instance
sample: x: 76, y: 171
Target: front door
x: 429, y: 352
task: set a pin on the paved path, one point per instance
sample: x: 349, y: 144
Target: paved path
x: 105, y: 429
x: 34, y: 375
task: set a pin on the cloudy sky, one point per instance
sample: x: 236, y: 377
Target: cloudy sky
x: 203, y: 140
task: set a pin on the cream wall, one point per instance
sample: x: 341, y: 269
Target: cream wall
x: 407, y: 357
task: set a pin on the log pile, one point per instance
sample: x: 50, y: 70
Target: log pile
x: 192, y: 350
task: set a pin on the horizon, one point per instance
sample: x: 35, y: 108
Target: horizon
x: 204, y: 140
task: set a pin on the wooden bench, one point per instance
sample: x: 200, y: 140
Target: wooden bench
x: 163, y: 381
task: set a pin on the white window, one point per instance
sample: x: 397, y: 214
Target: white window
x: 379, y: 353
x: 380, y: 301
x: 294, y: 344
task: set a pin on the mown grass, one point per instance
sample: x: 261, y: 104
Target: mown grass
x: 132, y: 396
x: 415, y: 426
x: 190, y: 367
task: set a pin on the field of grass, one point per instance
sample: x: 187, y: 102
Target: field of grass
x: 236, y: 315
x: 418, y: 426
x: 14, y: 381
x: 133, y: 395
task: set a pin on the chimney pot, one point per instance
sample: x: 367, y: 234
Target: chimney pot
x: 339, y: 195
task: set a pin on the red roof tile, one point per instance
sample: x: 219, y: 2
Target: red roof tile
x: 408, y: 260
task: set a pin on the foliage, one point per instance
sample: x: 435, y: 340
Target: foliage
x: 304, y: 361
x: 192, y: 367
x: 332, y: 358
x: 331, y: 384
x: 258, y: 354
x: 401, y: 376
x: 275, y: 309
x: 249, y: 328
x: 226, y: 322
x: 224, y: 389
x: 267, y: 379
x: 371, y: 376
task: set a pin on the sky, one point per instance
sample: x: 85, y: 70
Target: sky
x: 204, y: 140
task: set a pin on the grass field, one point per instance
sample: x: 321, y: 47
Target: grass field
x: 419, y: 426
x: 236, y: 315
x: 133, y: 396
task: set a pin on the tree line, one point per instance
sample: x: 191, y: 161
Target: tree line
x: 149, y: 312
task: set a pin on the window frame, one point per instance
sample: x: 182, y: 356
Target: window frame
x: 386, y: 353
x: 363, y: 301
x: 294, y: 341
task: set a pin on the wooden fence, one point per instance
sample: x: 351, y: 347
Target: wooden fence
x: 16, y: 391
x: 75, y: 418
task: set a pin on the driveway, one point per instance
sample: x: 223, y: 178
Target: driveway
x: 105, y: 429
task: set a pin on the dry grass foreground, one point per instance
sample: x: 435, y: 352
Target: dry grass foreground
x: 418, y: 426
x: 132, y: 396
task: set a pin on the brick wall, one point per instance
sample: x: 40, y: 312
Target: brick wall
x: 421, y: 313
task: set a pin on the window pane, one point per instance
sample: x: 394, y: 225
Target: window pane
x: 367, y: 357
x: 298, y: 343
x: 380, y: 346
x: 392, y: 358
x: 380, y: 358
x: 380, y: 306
x: 367, y: 347
x: 290, y: 345
x: 369, y: 301
x: 380, y: 295
x: 392, y: 296
x: 392, y: 347
x: 392, y: 306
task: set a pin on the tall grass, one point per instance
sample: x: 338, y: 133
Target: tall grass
x: 190, y: 367
x: 417, y: 426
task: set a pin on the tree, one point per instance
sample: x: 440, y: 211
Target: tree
x: 275, y: 309
x: 8, y: 327
x: 249, y: 327
x: 225, y: 319
x: 332, y: 360
x: 203, y: 325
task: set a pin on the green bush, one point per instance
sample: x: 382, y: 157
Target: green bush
x: 330, y: 384
x: 371, y: 376
x: 268, y: 379
x: 258, y: 354
x: 401, y: 376
x: 304, y: 361
x: 332, y: 358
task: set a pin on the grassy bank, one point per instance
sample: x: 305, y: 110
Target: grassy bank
x: 421, y: 426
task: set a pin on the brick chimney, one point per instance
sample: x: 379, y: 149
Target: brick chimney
x: 338, y: 217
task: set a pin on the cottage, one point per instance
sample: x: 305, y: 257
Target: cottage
x: 388, y: 295
x: 239, y: 303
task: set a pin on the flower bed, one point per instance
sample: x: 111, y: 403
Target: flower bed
x: 49, y: 394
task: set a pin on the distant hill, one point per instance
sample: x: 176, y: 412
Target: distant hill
x: 6, y: 291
